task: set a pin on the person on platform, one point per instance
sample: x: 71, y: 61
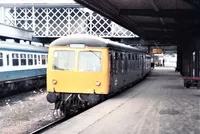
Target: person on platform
x: 163, y: 62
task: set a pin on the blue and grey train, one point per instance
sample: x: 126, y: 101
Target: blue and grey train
x: 22, y: 67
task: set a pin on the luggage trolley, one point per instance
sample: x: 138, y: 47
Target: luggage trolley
x: 192, y: 82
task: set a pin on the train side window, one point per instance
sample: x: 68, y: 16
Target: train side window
x: 30, y: 59
x: 43, y: 60
x: 15, y: 59
x: 129, y: 56
x: 23, y: 59
x: 7, y: 58
x: 125, y: 62
x: 38, y: 59
x: 35, y: 59
x: 132, y: 56
x: 116, y: 62
x: 121, y: 56
x: 1, y: 59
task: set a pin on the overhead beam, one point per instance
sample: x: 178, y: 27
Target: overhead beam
x: 169, y: 26
x: 195, y: 3
x: 159, y: 25
x: 171, y: 13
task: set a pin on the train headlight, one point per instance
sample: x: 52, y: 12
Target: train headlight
x: 54, y: 82
x: 98, y: 83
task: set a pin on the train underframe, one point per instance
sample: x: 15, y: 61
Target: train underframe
x: 12, y: 87
x: 67, y: 104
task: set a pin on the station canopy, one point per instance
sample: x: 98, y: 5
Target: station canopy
x: 151, y: 19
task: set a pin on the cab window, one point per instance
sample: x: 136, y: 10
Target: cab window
x: 89, y: 61
x: 64, y: 60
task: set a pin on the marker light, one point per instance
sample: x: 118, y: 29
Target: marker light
x: 98, y: 83
x: 54, y: 82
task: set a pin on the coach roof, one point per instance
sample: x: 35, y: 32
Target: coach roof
x: 90, y: 40
x: 24, y: 47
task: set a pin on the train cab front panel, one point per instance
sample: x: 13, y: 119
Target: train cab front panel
x: 78, y: 69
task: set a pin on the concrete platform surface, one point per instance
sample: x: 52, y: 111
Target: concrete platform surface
x: 158, y: 105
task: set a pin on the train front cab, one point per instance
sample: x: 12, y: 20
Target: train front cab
x: 83, y: 70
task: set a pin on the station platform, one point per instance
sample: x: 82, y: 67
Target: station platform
x: 158, y: 105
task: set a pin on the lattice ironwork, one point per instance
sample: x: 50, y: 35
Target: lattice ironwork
x: 56, y: 22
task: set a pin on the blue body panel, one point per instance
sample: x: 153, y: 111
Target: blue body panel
x: 19, y: 74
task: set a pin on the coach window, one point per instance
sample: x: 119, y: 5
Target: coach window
x: 129, y: 56
x: 125, y: 62
x: 43, y: 60
x: 38, y: 59
x: 30, y: 59
x: 132, y: 57
x: 15, y: 59
x: 119, y: 68
x: 129, y: 61
x: 8, y: 59
x: 35, y: 59
x: 23, y: 59
x: 1, y: 59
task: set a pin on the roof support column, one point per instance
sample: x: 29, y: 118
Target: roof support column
x: 197, y: 60
x: 179, y: 58
x: 186, y: 58
x: 191, y: 65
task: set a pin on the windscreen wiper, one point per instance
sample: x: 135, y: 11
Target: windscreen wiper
x: 95, y: 54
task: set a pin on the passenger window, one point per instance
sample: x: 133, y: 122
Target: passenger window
x: 38, y: 59
x: 129, y: 56
x: 121, y: 56
x: 43, y: 60
x: 23, y: 59
x: 7, y: 57
x: 1, y: 59
x: 132, y: 56
x: 35, y: 59
x: 15, y: 59
x: 116, y: 62
x: 125, y: 62
x: 30, y: 59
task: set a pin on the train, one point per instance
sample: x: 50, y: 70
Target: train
x: 84, y: 70
x: 22, y: 67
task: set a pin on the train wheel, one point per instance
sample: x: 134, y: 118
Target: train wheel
x: 198, y: 85
x: 103, y: 97
x: 187, y: 85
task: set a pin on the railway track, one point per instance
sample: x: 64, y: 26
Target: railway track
x: 55, y: 123
x: 48, y: 126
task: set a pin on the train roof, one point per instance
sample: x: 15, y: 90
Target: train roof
x: 24, y: 47
x: 93, y: 41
